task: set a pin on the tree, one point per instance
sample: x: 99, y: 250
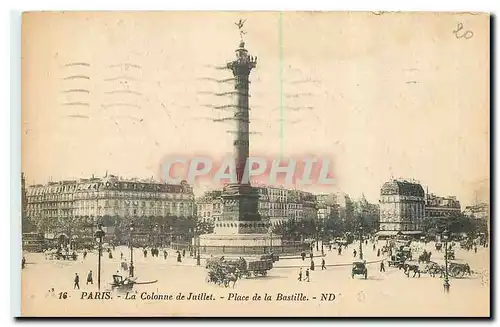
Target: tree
x: 350, y: 219
x: 27, y: 225
x: 204, y: 227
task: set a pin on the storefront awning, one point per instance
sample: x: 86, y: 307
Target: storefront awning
x: 412, y: 232
x: 387, y: 233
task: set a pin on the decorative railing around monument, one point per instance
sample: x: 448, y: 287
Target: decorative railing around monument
x: 286, y: 249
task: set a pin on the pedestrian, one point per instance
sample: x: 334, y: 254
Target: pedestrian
x: 145, y: 253
x: 77, y: 281
x: 312, y: 264
x: 307, y: 275
x: 340, y: 250
x: 382, y: 267
x: 110, y: 255
x: 121, y: 255
x: 184, y: 252
x: 322, y: 252
x: 89, y: 278
x: 303, y: 255
x: 354, y: 253
x: 366, y: 242
x: 475, y: 249
x: 323, y: 265
x: 84, y: 254
x: 23, y: 263
x: 378, y: 253
x: 373, y: 246
x: 311, y: 255
x: 416, y: 271
x: 300, y: 275
x: 179, y: 258
x: 165, y: 254
x: 330, y: 246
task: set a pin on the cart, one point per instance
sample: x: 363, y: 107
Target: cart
x: 359, y: 268
x: 450, y: 254
x: 456, y: 269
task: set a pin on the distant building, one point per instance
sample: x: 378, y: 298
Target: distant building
x: 402, y: 206
x: 438, y: 206
x: 479, y: 211
x: 275, y: 205
x: 23, y: 195
x: 109, y: 196
x: 301, y: 205
x: 327, y: 206
x: 209, y: 206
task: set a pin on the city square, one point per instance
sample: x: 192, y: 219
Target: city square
x: 172, y: 217
x: 379, y: 295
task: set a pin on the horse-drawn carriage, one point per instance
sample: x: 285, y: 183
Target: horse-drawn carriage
x: 438, y: 246
x: 121, y: 284
x: 60, y: 255
x: 425, y: 256
x: 456, y: 269
x: 222, y: 271
x: 359, y: 268
x: 402, y: 255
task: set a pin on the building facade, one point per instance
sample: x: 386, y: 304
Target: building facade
x: 301, y: 205
x: 275, y: 205
x: 327, y: 206
x: 479, y: 211
x: 438, y: 206
x: 209, y: 206
x: 402, y: 206
x: 108, y: 197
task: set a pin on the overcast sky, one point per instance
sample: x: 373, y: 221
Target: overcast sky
x: 382, y: 95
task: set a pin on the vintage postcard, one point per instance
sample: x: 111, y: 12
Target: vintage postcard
x: 244, y: 164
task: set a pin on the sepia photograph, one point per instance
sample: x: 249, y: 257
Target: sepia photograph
x: 255, y: 164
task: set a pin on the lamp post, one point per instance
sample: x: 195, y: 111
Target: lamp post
x: 361, y: 242
x: 99, y: 235
x: 156, y: 235
x: 170, y: 235
x: 446, y: 279
x: 131, y: 268
x: 271, y: 232
x: 197, y: 244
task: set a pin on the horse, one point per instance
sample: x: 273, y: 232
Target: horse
x: 412, y: 267
x: 231, y: 277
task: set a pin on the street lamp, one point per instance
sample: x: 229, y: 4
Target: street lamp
x: 131, y: 269
x: 156, y: 235
x: 99, y: 235
x: 361, y: 242
x: 446, y: 279
x: 197, y: 243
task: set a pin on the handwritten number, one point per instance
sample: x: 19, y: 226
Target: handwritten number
x: 466, y: 35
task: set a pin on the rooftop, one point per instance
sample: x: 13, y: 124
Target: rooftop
x: 402, y: 187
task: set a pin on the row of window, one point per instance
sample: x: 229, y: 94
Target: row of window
x: 243, y: 225
x: 118, y: 203
x: 107, y: 194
